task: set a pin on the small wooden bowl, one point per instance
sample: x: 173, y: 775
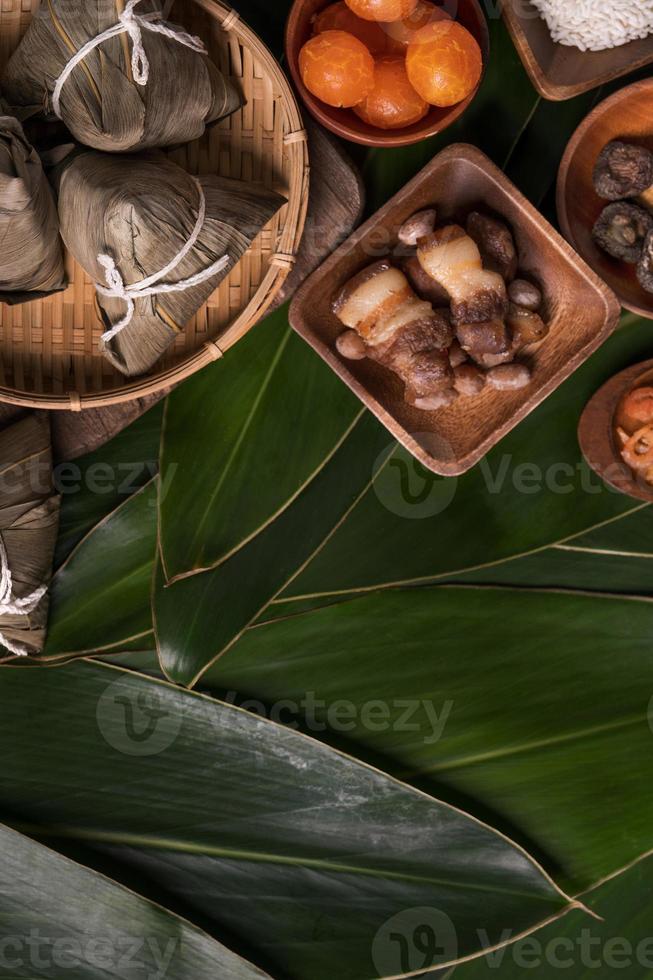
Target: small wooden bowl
x: 596, y: 432
x: 561, y: 72
x: 580, y: 308
x: 627, y: 116
x: 344, y: 122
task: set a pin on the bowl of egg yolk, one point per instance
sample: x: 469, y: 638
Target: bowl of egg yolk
x: 387, y: 72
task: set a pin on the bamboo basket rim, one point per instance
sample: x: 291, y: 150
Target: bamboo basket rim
x: 281, y: 263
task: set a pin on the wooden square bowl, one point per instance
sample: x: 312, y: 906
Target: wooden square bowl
x: 581, y: 309
x: 561, y: 72
x: 627, y: 116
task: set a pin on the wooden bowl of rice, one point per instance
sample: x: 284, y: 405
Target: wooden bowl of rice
x: 561, y: 71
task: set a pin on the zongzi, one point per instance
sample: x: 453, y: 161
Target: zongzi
x: 119, y: 76
x: 29, y: 521
x: 31, y: 259
x: 156, y: 241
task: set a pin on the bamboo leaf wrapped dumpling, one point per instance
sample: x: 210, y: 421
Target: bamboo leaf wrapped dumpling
x: 156, y: 241
x: 31, y: 259
x: 117, y: 75
x: 29, y: 522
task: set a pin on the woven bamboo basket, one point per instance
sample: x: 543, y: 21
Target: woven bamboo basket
x: 49, y: 356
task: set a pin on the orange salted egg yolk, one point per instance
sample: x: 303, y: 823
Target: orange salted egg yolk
x: 338, y: 17
x: 337, y: 68
x: 444, y: 63
x: 402, y: 32
x: 393, y: 102
x: 382, y: 10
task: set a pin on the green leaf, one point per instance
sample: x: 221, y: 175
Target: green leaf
x: 293, y: 849
x: 100, y: 597
x: 61, y: 918
x: 198, y: 618
x: 532, y: 491
x: 632, y: 534
x: 94, y: 485
x: 612, y: 558
x: 522, y: 706
x: 565, y: 567
x: 534, y: 163
x: 225, y: 470
x: 617, y: 943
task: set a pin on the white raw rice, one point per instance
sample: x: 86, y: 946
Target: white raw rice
x: 594, y: 25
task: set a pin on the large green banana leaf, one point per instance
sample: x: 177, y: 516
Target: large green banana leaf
x: 198, y: 618
x: 617, y: 942
x: 286, y: 845
x: 521, y: 705
x: 100, y: 596
x: 564, y: 567
x: 369, y: 518
x: 93, y: 485
x: 631, y: 535
x: 59, y: 919
x: 116, y: 558
x: 256, y: 458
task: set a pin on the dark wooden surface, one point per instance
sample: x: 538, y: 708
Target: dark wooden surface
x: 335, y: 208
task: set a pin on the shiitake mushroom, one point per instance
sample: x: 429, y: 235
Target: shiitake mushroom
x: 622, y: 229
x: 623, y: 170
x: 495, y: 243
x: 645, y: 266
x: 491, y: 337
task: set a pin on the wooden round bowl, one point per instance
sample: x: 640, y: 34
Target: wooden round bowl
x: 596, y: 433
x: 624, y: 116
x: 344, y: 122
x: 49, y: 355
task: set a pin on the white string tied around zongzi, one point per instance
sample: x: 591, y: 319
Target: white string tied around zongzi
x: 133, y: 24
x: 11, y: 606
x: 152, y: 286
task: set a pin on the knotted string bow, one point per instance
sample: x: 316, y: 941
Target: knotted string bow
x: 153, y: 286
x: 132, y: 24
x: 11, y: 606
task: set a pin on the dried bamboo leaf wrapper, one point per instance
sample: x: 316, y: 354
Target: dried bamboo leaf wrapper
x: 31, y: 258
x: 30, y: 544
x: 142, y: 210
x: 101, y: 103
x: 29, y: 523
